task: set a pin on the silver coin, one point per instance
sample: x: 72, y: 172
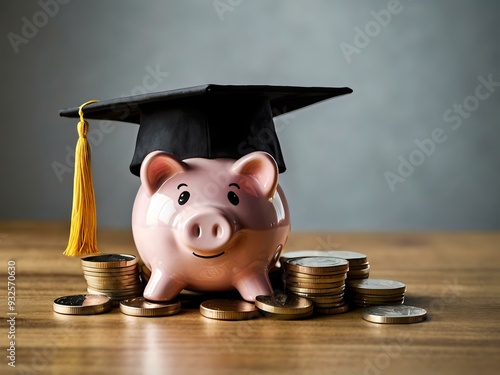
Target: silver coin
x: 376, y: 286
x: 82, y: 304
x: 394, y: 314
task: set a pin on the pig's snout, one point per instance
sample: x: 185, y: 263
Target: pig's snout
x: 207, y: 231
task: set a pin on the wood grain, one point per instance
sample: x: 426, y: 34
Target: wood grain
x: 455, y: 276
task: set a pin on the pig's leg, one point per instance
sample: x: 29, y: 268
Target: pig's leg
x: 161, y: 287
x: 254, y: 285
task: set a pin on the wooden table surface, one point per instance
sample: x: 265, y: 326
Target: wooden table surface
x: 455, y: 276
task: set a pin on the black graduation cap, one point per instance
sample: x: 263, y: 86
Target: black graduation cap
x: 208, y: 121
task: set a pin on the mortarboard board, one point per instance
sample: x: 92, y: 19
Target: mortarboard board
x: 208, y: 121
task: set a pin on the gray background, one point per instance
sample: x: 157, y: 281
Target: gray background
x: 428, y: 57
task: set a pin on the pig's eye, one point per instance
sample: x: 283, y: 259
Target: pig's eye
x: 184, y: 197
x: 233, y: 198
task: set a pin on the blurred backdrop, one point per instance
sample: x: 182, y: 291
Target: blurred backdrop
x: 415, y: 147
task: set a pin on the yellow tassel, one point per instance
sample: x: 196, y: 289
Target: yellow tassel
x: 83, y: 232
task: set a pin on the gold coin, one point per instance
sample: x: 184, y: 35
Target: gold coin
x: 228, y: 309
x: 325, y: 298
x: 313, y: 285
x: 287, y: 316
x: 315, y: 291
x: 376, y: 286
x: 341, y: 302
x: 145, y: 271
x: 112, y: 280
x: 305, y: 278
x: 127, y: 289
x: 361, y: 266
x: 377, y: 298
x: 123, y: 288
x: 82, y: 304
x: 109, y: 261
x: 115, y: 291
x: 332, y: 310
x: 285, y: 304
x: 140, y: 306
x: 402, y: 314
x: 374, y: 303
x: 317, y: 265
x: 352, y: 273
x: 358, y: 277
x: 129, y: 270
x: 115, y: 294
x: 99, y: 272
x: 369, y: 304
x: 114, y: 287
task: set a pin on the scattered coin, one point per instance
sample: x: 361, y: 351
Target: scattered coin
x: 286, y: 306
x: 82, y: 304
x: 227, y: 309
x: 394, y: 314
x: 314, y: 281
x: 140, y: 306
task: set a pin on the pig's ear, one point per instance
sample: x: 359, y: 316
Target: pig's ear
x: 157, y: 168
x: 262, y: 167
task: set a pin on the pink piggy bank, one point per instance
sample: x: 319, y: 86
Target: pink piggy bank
x: 209, y: 224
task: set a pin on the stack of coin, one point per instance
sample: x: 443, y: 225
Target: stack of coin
x: 319, y: 279
x: 372, y: 292
x: 140, y: 306
x: 359, y: 267
x: 113, y: 275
